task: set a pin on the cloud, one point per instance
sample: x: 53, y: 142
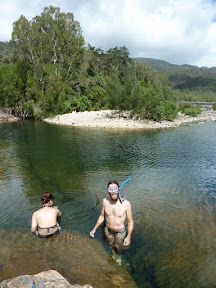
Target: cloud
x: 180, y: 31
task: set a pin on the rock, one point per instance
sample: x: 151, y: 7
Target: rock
x: 47, y: 279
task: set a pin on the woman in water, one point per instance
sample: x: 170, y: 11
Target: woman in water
x: 44, y: 221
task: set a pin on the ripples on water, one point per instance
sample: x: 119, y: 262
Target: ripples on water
x: 172, y: 190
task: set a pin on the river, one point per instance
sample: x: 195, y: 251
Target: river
x: 172, y: 191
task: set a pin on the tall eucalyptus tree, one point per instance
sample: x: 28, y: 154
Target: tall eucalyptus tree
x: 52, y: 46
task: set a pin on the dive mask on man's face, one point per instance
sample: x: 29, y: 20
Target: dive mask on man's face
x: 113, y: 189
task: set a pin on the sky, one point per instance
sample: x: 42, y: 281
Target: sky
x: 176, y: 31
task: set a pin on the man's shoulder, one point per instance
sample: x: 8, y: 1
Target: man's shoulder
x: 106, y: 202
x: 126, y: 202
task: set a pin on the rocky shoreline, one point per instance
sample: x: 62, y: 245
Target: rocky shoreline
x: 7, y: 117
x: 111, y: 119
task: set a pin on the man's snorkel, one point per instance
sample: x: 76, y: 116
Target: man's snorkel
x: 120, y: 189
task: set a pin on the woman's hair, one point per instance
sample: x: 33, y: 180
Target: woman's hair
x: 46, y: 198
x: 112, y: 182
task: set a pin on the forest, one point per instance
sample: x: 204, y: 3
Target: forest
x: 48, y: 68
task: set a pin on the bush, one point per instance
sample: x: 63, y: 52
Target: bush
x: 189, y: 110
x: 171, y: 111
x: 193, y: 111
x: 214, y: 107
x: 184, y: 106
x: 164, y: 110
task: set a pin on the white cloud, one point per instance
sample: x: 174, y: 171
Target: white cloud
x: 179, y: 31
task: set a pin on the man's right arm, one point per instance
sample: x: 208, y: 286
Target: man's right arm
x: 99, y: 221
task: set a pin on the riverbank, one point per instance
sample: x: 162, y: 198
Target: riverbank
x: 5, y: 117
x: 110, y: 119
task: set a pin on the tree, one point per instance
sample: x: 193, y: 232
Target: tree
x: 52, y: 47
x: 115, y: 92
x: 119, y: 58
x: 9, y: 86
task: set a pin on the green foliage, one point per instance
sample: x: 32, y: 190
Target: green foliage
x: 189, y: 109
x: 9, y: 86
x: 151, y: 97
x: 97, y: 97
x: 183, y: 106
x: 5, y: 51
x: 51, y: 48
x: 170, y: 111
x: 78, y: 103
x: 192, y: 111
x: 214, y: 107
x: 115, y: 92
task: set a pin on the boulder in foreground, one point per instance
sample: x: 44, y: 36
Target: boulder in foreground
x: 45, y: 279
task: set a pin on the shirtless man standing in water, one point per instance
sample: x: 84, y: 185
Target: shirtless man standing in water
x: 115, y: 213
x: 44, y: 221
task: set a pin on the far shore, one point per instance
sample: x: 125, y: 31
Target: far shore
x: 110, y: 119
x: 6, y: 117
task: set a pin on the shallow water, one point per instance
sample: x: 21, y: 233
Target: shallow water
x: 172, y: 191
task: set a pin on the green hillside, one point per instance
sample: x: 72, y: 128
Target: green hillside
x: 199, y: 83
x: 163, y: 66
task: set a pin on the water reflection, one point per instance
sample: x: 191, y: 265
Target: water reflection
x: 172, y: 191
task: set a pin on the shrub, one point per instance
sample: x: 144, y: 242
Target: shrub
x: 193, y: 111
x: 189, y: 109
x: 171, y: 111
x: 184, y: 106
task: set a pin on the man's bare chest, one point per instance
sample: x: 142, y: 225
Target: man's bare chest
x: 116, y: 211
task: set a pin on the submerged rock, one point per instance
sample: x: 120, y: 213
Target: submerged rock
x: 79, y: 259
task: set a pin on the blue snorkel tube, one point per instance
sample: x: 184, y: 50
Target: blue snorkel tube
x: 120, y: 189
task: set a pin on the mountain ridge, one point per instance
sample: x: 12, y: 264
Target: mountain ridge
x: 163, y: 66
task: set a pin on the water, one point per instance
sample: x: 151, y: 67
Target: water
x: 172, y: 191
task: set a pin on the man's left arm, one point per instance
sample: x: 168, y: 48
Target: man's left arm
x: 127, y: 240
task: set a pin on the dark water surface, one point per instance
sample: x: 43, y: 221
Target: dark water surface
x: 172, y: 191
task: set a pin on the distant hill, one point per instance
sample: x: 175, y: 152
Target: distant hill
x: 188, y: 78
x: 160, y: 65
x: 164, y: 66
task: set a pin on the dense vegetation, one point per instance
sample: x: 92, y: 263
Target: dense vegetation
x: 48, y: 69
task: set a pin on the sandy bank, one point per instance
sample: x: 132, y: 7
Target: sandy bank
x: 110, y: 119
x: 4, y: 117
